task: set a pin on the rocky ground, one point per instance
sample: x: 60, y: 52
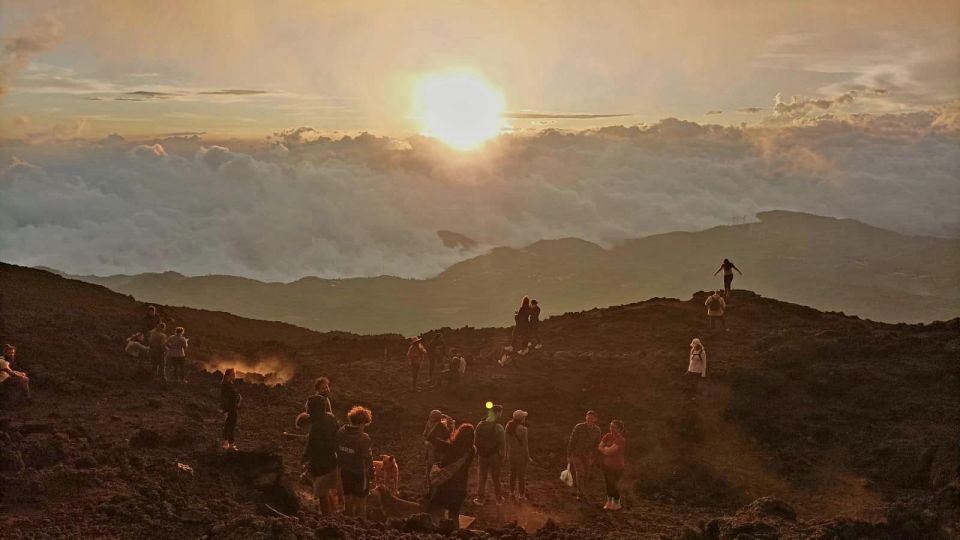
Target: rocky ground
x: 810, y: 424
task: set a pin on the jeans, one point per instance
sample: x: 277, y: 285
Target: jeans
x: 177, y: 365
x: 611, y: 477
x: 580, y: 467
x: 229, y: 426
x: 160, y: 365
x: 518, y: 478
x: 492, y: 466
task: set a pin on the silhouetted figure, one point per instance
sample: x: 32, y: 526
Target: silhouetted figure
x: 582, y: 451
x: 518, y: 454
x: 613, y: 446
x: 449, y: 480
x: 716, y: 307
x: 356, y: 461
x: 727, y: 267
x: 491, y: 451
x: 158, y: 351
x: 176, y: 351
x: 521, y: 328
x: 696, y: 369
x: 319, y: 402
x: 415, y: 354
x: 149, y: 321
x: 17, y: 378
x: 535, y: 324
x: 230, y: 405
x: 436, y: 354
x: 320, y: 455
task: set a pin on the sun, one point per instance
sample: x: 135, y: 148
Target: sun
x: 462, y: 110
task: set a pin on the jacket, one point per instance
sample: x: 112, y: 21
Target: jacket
x: 176, y: 346
x: 613, y: 447
x: 698, y: 362
x: 583, y: 440
x: 320, y: 455
x: 353, y: 450
x: 518, y: 445
x: 490, y: 439
x: 229, y: 397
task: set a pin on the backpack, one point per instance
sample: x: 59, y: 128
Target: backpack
x: 460, y: 365
x: 713, y: 302
x: 486, y: 439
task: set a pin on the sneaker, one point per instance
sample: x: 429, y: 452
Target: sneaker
x: 233, y: 448
x: 607, y: 505
x: 614, y: 505
x: 477, y: 502
x: 225, y: 445
x: 499, y: 501
x: 538, y: 346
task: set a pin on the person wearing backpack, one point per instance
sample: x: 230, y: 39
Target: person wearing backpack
x: 697, y: 368
x: 491, y: 449
x: 715, y: 308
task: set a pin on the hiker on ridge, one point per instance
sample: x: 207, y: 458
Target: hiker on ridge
x: 449, y: 480
x: 728, y: 268
x: 320, y: 455
x: 176, y: 351
x: 535, y: 324
x: 491, y: 449
x: 697, y: 369
x: 149, y: 321
x: 8, y: 373
x: 521, y: 328
x: 582, y: 451
x: 715, y: 309
x: 158, y: 352
x: 356, y: 461
x: 230, y: 400
x: 415, y: 354
x: 613, y: 446
x: 518, y: 452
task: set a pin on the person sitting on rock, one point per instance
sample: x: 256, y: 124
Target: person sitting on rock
x: 135, y: 346
x: 356, y: 461
x: 715, y: 309
x: 176, y: 351
x: 230, y: 400
x: 7, y: 373
x: 320, y: 455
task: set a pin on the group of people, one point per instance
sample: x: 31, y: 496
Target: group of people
x: 153, y: 343
x: 526, y: 328
x: 444, y: 365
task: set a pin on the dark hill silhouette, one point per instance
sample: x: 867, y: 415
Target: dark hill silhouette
x: 832, y: 264
x: 829, y: 413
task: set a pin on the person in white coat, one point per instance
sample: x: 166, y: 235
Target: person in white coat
x: 697, y: 368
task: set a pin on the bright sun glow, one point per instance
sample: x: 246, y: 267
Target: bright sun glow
x: 461, y: 110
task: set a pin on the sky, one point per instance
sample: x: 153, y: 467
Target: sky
x: 282, y: 139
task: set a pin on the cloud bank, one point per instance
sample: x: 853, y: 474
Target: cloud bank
x: 302, y: 203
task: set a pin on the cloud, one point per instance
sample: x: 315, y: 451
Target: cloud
x: 368, y: 205
x: 572, y: 116
x: 148, y: 94
x: 714, y: 111
x: 751, y: 110
x: 58, y: 133
x: 28, y: 41
x: 235, y: 92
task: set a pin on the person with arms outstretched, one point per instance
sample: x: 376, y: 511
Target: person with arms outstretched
x: 727, y: 267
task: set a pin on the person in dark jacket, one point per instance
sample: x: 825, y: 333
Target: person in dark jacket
x: 491, y: 450
x: 535, y: 324
x: 582, y: 451
x: 158, y: 350
x: 415, y: 354
x: 230, y: 405
x: 613, y: 446
x: 320, y: 455
x: 437, y: 429
x: 149, y: 321
x: 436, y: 354
x: 518, y: 454
x: 319, y: 402
x: 356, y: 461
x: 449, y: 480
x: 521, y: 328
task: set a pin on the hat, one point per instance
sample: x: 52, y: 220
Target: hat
x: 592, y: 412
x: 519, y: 415
x: 436, y: 415
x: 695, y: 342
x: 416, y: 339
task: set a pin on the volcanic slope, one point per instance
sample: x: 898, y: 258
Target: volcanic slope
x: 833, y: 415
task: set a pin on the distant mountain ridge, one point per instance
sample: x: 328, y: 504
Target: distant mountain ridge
x: 831, y: 264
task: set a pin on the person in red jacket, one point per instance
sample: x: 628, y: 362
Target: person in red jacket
x: 613, y: 445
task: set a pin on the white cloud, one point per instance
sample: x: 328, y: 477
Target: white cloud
x: 302, y: 204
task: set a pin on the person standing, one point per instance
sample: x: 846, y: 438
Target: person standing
x: 521, y: 328
x: 518, y: 454
x: 176, y: 351
x: 356, y: 460
x: 491, y: 449
x: 613, y: 446
x: 697, y: 368
x: 320, y: 400
x: 230, y: 400
x: 158, y: 351
x: 449, y: 480
x: 8, y: 373
x: 727, y: 267
x: 320, y: 455
x: 535, y: 325
x: 436, y: 355
x: 435, y: 430
x: 582, y: 451
x: 149, y: 321
x: 415, y: 354
x: 715, y: 309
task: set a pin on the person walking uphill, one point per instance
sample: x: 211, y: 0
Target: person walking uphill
x: 415, y: 354
x: 613, y: 446
x: 491, y: 449
x: 320, y: 455
x: 356, y: 461
x: 176, y: 351
x: 230, y: 405
x: 535, y: 325
x: 518, y: 454
x: 582, y: 451
x: 697, y: 368
x: 728, y: 268
x: 715, y: 309
x: 158, y: 351
x: 449, y: 479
